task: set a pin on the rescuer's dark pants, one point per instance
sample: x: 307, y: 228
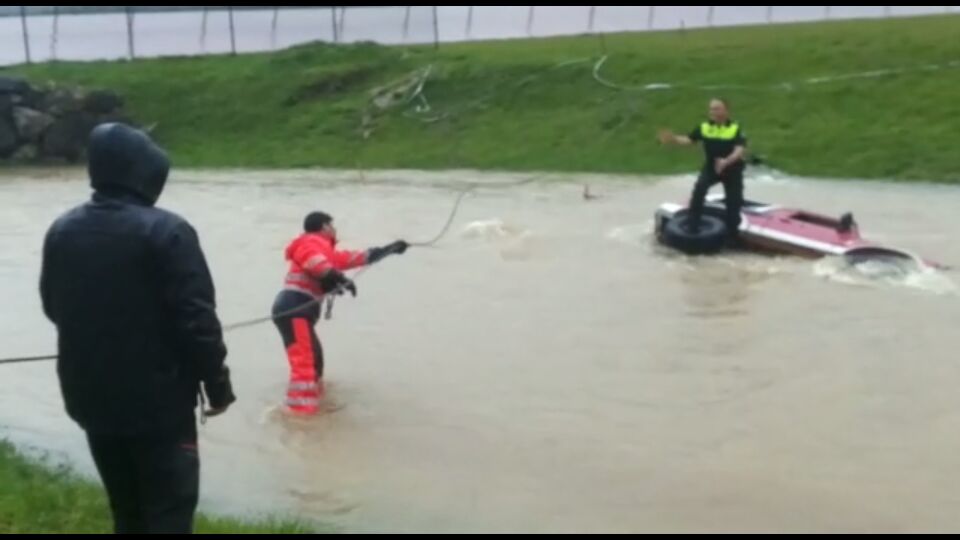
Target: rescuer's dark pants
x: 152, y: 484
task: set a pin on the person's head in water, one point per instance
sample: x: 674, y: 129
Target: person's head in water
x: 320, y: 223
x: 719, y: 111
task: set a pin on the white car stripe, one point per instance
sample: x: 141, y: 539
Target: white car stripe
x: 795, y: 240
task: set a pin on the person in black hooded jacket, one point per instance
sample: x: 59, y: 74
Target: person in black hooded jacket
x: 128, y: 288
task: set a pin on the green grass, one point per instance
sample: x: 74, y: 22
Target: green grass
x: 35, y: 498
x: 507, y: 105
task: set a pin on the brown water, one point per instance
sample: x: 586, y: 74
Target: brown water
x: 546, y: 367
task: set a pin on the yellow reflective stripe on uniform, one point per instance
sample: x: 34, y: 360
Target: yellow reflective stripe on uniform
x: 719, y: 132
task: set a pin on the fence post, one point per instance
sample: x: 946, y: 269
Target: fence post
x: 233, y: 33
x: 469, y: 29
x: 436, y: 29
x: 650, y: 15
x: 55, y: 33
x: 273, y: 28
x: 591, y: 18
x: 130, y: 43
x: 26, y: 35
x: 530, y: 20
x: 333, y: 22
x: 203, y: 28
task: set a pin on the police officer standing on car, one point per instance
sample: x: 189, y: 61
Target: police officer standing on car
x: 724, y: 146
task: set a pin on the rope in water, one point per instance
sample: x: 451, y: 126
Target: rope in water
x: 28, y: 359
x: 260, y: 320
x: 446, y: 226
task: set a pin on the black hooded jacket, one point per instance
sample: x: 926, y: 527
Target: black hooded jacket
x: 128, y: 288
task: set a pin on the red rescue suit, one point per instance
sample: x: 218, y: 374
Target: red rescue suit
x: 297, y: 310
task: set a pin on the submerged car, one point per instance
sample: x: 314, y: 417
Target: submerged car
x: 773, y: 229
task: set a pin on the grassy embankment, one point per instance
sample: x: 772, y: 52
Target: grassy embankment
x: 515, y: 105
x: 35, y: 498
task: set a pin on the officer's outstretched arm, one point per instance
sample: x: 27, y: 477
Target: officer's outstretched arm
x: 394, y: 248
x: 345, y: 259
x: 668, y: 137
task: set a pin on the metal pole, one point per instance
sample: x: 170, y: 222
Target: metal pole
x: 130, y: 45
x: 769, y: 14
x: 406, y: 23
x: 650, y: 15
x: 273, y: 28
x: 343, y: 15
x: 710, y: 16
x: 203, y: 29
x: 530, y: 20
x: 469, y: 21
x: 826, y: 12
x: 886, y: 11
x: 26, y: 35
x: 591, y: 18
x: 233, y: 33
x: 333, y: 21
x: 436, y: 29
x: 55, y: 32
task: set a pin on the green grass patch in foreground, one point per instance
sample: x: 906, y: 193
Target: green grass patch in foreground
x: 527, y: 105
x: 35, y: 498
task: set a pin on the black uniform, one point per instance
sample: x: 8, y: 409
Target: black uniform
x: 128, y: 288
x: 719, y: 141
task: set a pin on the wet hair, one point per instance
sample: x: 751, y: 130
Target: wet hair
x: 316, y: 221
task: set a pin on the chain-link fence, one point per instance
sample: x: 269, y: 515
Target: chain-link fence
x: 43, y: 33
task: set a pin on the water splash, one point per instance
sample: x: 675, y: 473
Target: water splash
x: 514, y: 243
x: 885, y: 272
x: 633, y: 235
x: 492, y: 229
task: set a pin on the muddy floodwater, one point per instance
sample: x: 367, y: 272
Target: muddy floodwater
x: 546, y: 367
